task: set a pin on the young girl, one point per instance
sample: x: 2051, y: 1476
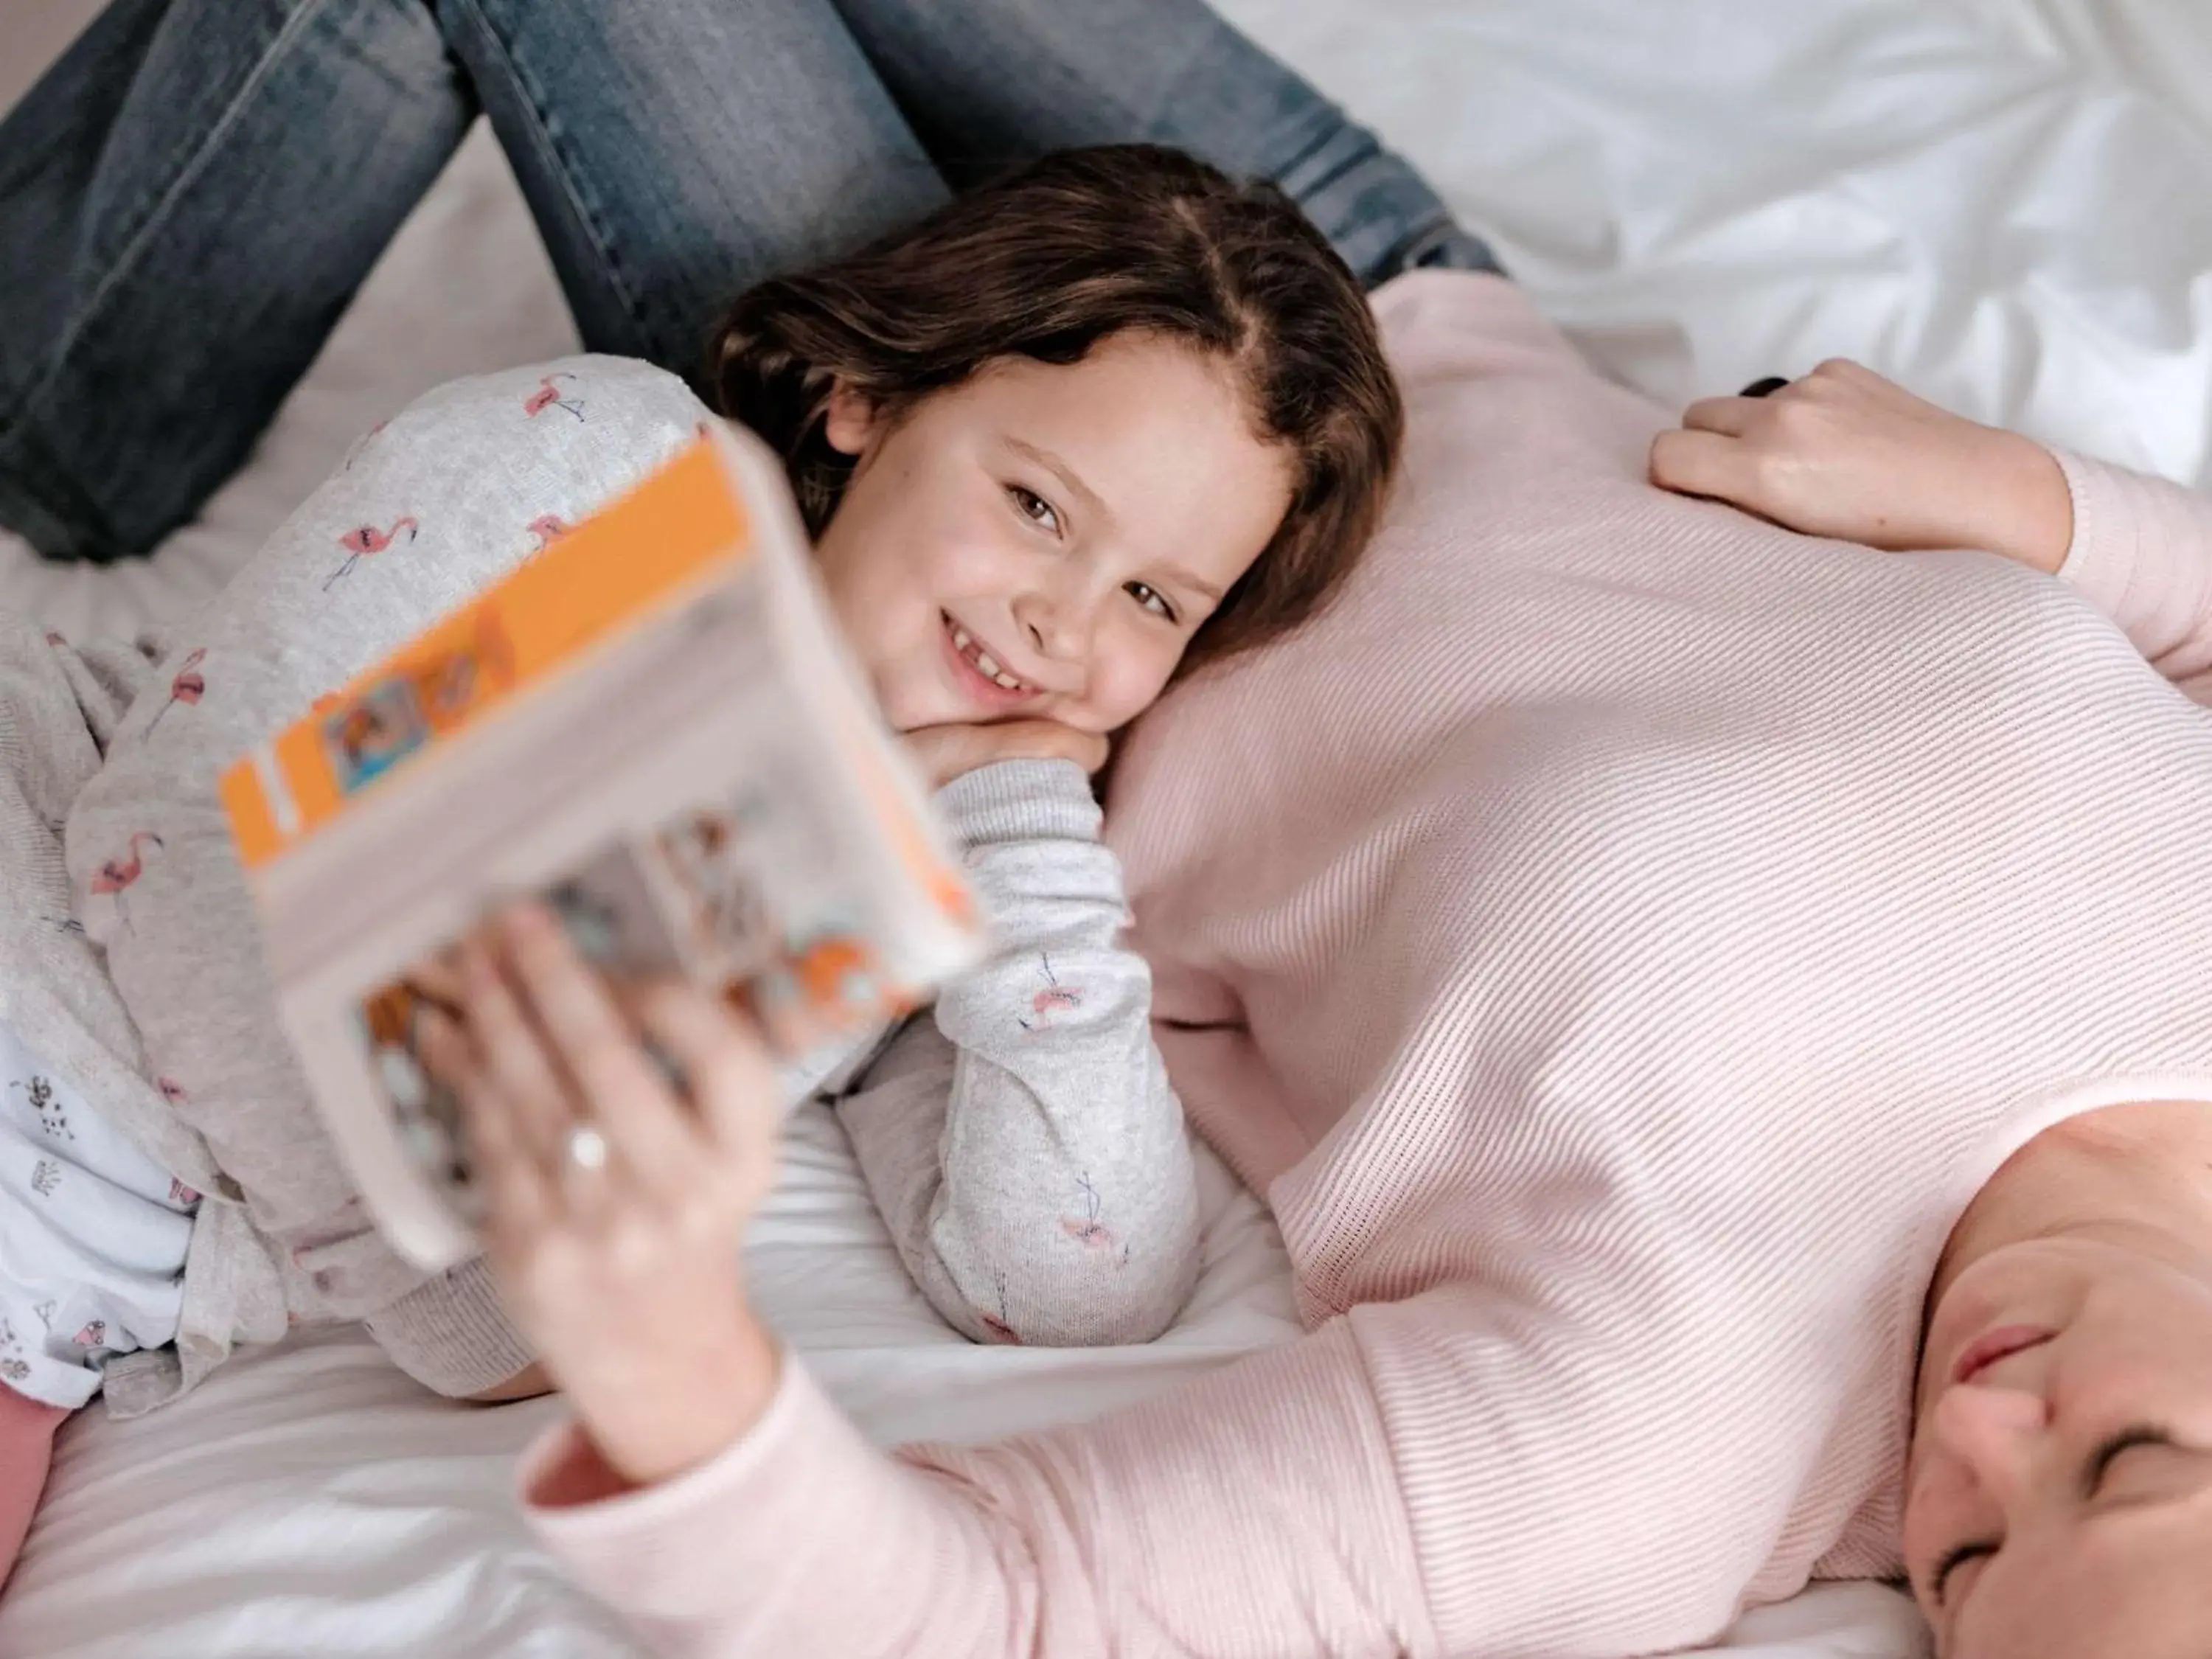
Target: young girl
x: 1110, y: 418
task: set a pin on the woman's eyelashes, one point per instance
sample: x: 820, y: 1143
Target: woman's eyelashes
x: 2112, y: 1448
x: 2094, y: 1469
x: 1965, y: 1555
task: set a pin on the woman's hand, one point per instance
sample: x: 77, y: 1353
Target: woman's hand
x: 1845, y: 453
x: 945, y: 752
x: 617, y: 1205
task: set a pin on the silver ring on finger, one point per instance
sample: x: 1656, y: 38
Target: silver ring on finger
x: 586, y: 1149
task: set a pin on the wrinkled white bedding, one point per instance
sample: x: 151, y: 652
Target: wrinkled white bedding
x: 2004, y: 202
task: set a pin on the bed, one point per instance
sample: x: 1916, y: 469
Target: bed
x: 2003, y: 203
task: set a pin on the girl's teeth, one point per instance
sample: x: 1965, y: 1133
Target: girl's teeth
x: 963, y: 642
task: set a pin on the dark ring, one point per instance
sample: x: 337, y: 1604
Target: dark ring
x: 1771, y: 384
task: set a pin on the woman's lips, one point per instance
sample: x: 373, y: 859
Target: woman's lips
x: 2000, y: 1344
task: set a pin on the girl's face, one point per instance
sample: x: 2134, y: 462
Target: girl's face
x: 1042, y: 542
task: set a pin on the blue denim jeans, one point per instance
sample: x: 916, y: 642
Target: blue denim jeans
x: 190, y: 196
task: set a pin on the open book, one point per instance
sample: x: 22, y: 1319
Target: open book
x: 655, y: 724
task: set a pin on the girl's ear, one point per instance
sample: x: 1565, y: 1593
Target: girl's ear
x: 850, y: 420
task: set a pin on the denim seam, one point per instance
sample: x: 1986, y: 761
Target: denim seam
x: 562, y: 168
x: 135, y: 244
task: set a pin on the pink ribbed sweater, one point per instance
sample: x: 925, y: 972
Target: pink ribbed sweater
x: 1618, y: 939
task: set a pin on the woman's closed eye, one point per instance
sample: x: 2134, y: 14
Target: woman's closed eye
x: 2097, y: 1470
x: 1965, y: 1555
x: 1033, y: 507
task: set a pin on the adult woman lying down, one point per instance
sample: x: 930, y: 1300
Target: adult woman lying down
x: 1714, y: 1010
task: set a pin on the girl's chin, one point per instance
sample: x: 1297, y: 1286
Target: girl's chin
x: 906, y: 712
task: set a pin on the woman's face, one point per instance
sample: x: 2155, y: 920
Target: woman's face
x: 1042, y: 542
x: 2060, y: 1496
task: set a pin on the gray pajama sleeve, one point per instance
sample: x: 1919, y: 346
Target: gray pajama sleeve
x: 1021, y: 1140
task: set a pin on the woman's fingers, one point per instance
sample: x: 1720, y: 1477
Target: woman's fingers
x: 437, y: 981
x: 1731, y: 416
x: 506, y: 1169
x: 731, y: 1080
x: 620, y: 1093
x: 549, y: 1051
x: 513, y: 1057
x: 1704, y: 463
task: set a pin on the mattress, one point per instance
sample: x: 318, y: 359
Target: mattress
x: 2001, y: 203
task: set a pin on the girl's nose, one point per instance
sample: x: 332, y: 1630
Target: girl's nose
x: 1054, y: 624
x: 1993, y: 1432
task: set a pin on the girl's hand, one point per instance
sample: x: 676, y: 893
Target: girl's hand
x: 1847, y: 454
x: 618, y: 1204
x: 945, y: 752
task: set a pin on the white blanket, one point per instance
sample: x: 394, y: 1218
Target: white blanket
x: 2004, y: 202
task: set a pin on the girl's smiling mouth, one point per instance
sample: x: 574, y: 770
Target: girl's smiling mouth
x: 980, y: 671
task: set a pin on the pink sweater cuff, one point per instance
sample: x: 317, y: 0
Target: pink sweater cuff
x: 2141, y: 553
x: 802, y: 1484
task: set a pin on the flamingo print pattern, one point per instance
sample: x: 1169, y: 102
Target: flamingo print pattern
x: 1055, y: 998
x: 1092, y: 1233
x: 365, y: 541
x: 549, y: 396
x: 189, y: 686
x: 478, y: 480
x: 1077, y: 1222
x: 116, y: 878
x: 998, y: 1325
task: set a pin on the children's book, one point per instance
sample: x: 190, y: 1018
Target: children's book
x: 653, y: 724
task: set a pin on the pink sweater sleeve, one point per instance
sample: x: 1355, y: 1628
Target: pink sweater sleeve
x: 1402, y: 1481
x: 1251, y: 1514
x: 2143, y: 554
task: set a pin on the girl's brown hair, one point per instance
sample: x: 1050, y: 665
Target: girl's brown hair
x: 1047, y: 263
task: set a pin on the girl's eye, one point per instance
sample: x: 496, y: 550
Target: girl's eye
x: 1033, y: 507
x: 1151, y: 598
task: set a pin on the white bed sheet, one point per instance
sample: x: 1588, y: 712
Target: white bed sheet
x: 309, y: 1500
x: 2004, y: 202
